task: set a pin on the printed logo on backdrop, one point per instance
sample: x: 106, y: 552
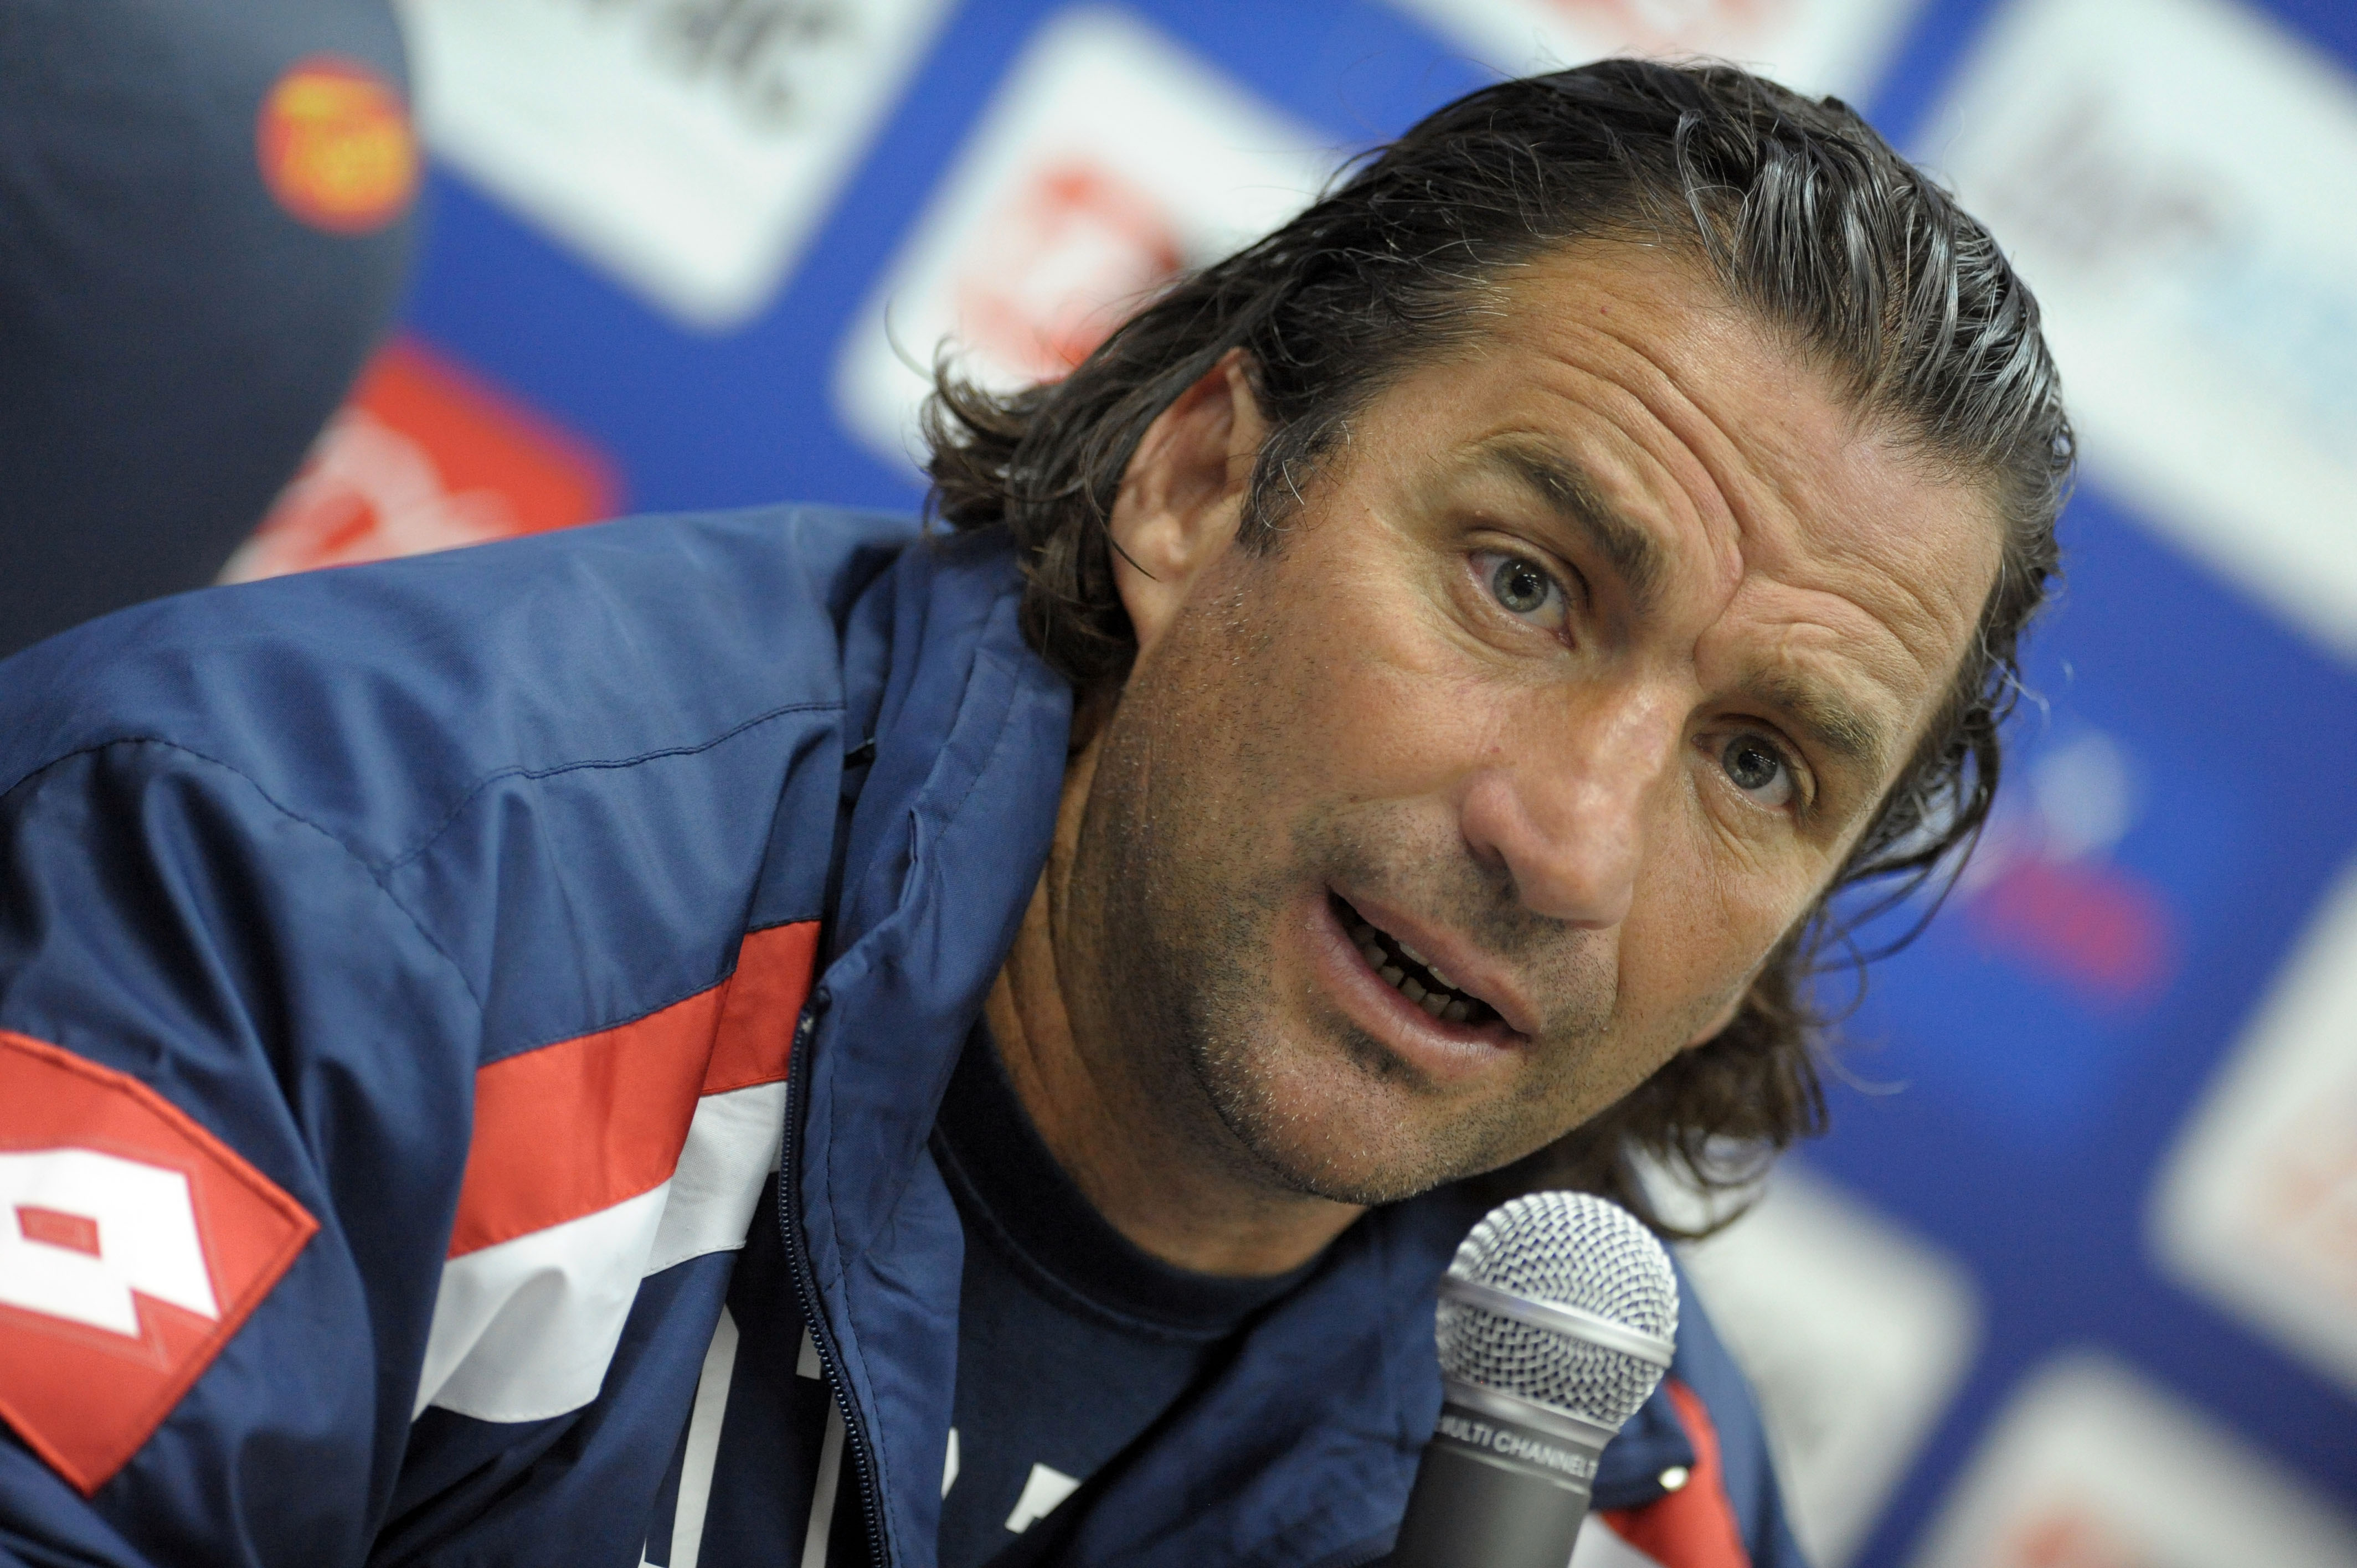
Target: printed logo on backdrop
x: 425, y: 456
x: 2256, y: 1209
x: 2171, y: 178
x: 690, y: 148
x: 2092, y: 1467
x: 2044, y: 890
x: 1856, y: 1333
x: 1109, y: 160
x: 2067, y: 929
x: 1815, y: 46
x: 1073, y: 242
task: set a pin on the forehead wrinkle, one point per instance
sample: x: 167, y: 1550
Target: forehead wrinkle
x: 1672, y: 339
x: 1920, y: 613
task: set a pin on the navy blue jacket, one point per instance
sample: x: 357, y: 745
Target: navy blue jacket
x: 410, y: 978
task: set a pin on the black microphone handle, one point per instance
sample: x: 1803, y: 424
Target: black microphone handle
x: 1503, y: 1484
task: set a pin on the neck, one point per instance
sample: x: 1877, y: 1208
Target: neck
x: 1146, y: 1147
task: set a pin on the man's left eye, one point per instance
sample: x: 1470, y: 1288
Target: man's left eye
x: 1522, y: 587
x: 1758, y: 770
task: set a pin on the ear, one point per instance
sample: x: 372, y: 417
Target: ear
x: 1182, y: 496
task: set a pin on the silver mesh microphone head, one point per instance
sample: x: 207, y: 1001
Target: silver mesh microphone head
x: 1565, y: 1250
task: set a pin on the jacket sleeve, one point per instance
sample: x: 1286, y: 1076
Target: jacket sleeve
x: 235, y: 1081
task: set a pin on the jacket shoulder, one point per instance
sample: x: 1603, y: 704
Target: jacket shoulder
x: 370, y: 701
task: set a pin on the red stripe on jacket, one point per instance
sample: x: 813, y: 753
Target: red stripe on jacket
x: 568, y: 1129
x: 1694, y: 1526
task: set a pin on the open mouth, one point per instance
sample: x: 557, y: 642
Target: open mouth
x: 1409, y: 972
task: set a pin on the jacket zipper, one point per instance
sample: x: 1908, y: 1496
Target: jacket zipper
x: 789, y: 1217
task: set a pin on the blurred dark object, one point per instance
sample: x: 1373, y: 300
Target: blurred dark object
x: 206, y: 209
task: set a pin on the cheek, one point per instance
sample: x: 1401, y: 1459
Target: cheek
x: 1363, y: 702
x: 1407, y: 693
x: 1388, y: 729
x: 1701, y: 922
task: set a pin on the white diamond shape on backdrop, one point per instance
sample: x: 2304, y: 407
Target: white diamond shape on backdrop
x: 690, y: 148
x: 1109, y: 159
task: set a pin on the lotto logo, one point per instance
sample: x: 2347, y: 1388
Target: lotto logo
x: 1109, y: 160
x: 92, y: 1228
x: 2089, y: 1466
x: 1053, y: 269
x: 2063, y: 1534
x: 2046, y: 891
x: 133, y: 1245
x: 425, y: 456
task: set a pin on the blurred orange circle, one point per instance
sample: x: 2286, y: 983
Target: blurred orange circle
x: 336, y: 147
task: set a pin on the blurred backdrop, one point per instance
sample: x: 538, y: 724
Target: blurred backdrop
x: 2073, y: 1282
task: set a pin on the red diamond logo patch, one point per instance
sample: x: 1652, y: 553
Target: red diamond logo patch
x: 133, y: 1245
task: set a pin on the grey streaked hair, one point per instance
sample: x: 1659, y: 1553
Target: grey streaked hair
x: 1807, y: 218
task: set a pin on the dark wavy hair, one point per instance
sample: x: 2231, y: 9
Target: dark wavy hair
x: 1806, y: 217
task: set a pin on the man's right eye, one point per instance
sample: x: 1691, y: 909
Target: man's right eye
x: 1523, y: 588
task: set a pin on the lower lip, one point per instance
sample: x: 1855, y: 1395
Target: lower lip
x: 1438, y: 1050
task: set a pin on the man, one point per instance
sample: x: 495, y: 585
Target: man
x: 1381, y: 735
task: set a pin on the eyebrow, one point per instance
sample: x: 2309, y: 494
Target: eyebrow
x: 1634, y: 556
x: 1832, y: 723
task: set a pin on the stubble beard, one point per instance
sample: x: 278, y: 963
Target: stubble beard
x: 1184, y: 920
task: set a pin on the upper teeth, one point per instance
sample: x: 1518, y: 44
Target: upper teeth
x: 1369, y: 941
x: 1427, y: 963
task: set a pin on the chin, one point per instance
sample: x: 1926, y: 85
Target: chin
x: 1349, y: 1126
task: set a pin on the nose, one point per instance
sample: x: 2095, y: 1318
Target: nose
x: 1562, y: 801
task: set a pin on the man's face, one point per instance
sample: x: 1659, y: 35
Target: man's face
x: 1581, y: 665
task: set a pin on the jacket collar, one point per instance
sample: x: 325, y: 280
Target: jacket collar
x: 940, y: 856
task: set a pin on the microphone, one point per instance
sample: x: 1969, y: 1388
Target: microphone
x: 1557, y: 1317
